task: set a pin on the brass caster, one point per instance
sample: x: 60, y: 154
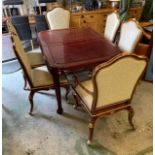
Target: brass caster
x: 89, y: 142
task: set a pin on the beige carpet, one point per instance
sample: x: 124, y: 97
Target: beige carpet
x: 47, y: 133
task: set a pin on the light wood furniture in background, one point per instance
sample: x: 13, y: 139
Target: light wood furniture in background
x: 96, y: 19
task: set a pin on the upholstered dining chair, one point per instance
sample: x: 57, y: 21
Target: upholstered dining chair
x: 111, y: 88
x: 38, y: 79
x: 112, y: 25
x: 130, y: 35
x: 58, y: 18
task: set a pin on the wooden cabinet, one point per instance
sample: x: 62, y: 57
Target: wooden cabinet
x: 94, y: 19
x: 97, y: 19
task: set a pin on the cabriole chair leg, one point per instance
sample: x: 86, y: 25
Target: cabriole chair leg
x: 130, y: 116
x: 76, y: 101
x: 91, y: 127
x: 67, y: 92
x: 31, y: 101
x: 25, y: 82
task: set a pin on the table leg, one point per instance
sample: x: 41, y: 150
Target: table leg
x: 57, y: 89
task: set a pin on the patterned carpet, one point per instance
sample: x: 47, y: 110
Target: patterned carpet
x: 47, y: 133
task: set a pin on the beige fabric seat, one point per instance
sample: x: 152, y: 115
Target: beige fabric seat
x: 44, y: 78
x: 58, y: 18
x: 111, y: 87
x: 112, y: 25
x: 38, y: 78
x: 130, y: 35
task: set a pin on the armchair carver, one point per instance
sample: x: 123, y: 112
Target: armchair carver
x: 110, y: 88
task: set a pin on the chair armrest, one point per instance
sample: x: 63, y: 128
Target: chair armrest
x: 77, y: 82
x: 147, y: 35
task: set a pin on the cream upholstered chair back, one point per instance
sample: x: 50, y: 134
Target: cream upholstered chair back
x: 130, y: 35
x: 115, y: 81
x: 58, y: 18
x: 112, y: 25
x: 21, y: 55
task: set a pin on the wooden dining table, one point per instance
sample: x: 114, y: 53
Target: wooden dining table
x: 72, y: 49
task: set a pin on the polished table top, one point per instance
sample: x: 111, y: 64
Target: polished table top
x: 70, y: 48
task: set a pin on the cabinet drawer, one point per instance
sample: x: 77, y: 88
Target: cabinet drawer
x: 89, y: 17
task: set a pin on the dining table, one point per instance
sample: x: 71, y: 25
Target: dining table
x: 72, y: 49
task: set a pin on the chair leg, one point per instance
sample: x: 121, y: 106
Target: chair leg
x: 76, y: 101
x: 91, y: 127
x: 25, y: 82
x: 130, y: 115
x: 67, y: 92
x: 32, y: 92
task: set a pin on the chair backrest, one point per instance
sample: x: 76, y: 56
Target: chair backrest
x: 21, y: 23
x: 20, y: 53
x: 130, y: 35
x: 58, y: 18
x: 40, y: 23
x: 112, y: 25
x: 115, y: 80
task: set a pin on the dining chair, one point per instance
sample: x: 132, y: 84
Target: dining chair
x: 130, y: 35
x: 58, y: 18
x: 21, y: 23
x: 112, y: 25
x: 40, y: 23
x: 110, y: 88
x: 38, y: 79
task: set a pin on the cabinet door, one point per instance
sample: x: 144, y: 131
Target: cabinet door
x: 75, y: 21
x: 93, y: 21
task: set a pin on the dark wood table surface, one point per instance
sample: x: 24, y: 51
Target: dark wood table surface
x: 74, y: 48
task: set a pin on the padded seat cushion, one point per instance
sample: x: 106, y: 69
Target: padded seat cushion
x: 35, y: 58
x: 41, y: 77
x: 85, y: 96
